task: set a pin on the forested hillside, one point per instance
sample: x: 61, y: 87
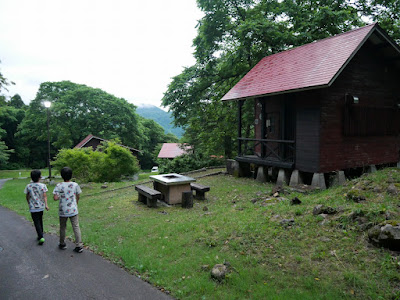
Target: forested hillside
x: 162, y: 117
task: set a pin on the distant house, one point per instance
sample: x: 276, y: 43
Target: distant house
x: 328, y: 106
x: 172, y: 150
x: 94, y: 142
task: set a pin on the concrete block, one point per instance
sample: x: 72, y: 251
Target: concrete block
x: 295, y: 178
x: 318, y: 181
x: 339, y: 178
x: 261, y: 174
x: 371, y: 169
x: 282, y: 178
x: 398, y: 164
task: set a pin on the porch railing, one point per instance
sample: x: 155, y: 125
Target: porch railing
x: 268, y: 149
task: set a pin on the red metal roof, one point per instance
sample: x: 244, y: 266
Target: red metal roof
x: 172, y: 150
x: 87, y: 139
x: 309, y: 66
x: 84, y: 141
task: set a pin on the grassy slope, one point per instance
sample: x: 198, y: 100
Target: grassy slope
x: 169, y: 246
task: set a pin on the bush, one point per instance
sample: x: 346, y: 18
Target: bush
x: 187, y: 162
x: 109, y: 164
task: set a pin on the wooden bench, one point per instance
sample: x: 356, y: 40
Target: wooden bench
x: 200, y: 190
x: 148, y: 195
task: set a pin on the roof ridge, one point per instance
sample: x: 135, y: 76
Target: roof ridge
x: 324, y: 39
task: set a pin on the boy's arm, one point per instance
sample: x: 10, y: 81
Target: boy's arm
x: 77, y: 198
x: 55, y: 194
x: 45, y: 200
x: 27, y: 197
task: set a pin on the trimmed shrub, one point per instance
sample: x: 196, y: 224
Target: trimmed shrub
x: 110, y: 164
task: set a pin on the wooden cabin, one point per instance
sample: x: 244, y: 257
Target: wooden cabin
x: 94, y: 141
x: 328, y: 106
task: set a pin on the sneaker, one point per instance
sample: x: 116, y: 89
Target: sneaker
x: 78, y: 249
x: 41, y: 241
x: 62, y: 246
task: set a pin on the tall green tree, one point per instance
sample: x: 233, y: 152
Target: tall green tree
x: 232, y: 37
x: 76, y: 111
x: 5, y: 151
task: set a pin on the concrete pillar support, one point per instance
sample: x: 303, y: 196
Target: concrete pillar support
x: 318, y: 181
x: 371, y: 169
x: 232, y: 167
x: 398, y: 164
x: 339, y: 178
x: 295, y: 178
x: 282, y: 178
x: 261, y: 174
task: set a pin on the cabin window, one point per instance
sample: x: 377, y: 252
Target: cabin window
x: 371, y: 120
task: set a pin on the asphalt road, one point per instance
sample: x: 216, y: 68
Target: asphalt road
x: 29, y: 271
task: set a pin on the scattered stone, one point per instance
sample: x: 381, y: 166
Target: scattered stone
x: 281, y: 199
x: 317, y: 209
x: 390, y: 216
x: 322, y: 209
x: 276, y: 195
x: 218, y: 272
x: 355, y: 195
x: 387, y: 236
x: 377, y: 189
x: 104, y: 186
x: 295, y: 201
x: 163, y: 212
x: 205, y: 267
x: 254, y: 200
x: 325, y: 239
x: 392, y: 189
x: 287, y: 222
x: 205, y: 208
x: 110, y: 207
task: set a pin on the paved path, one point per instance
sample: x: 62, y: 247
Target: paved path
x: 29, y: 271
x: 2, y: 181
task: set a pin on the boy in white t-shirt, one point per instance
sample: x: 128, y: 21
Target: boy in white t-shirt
x: 67, y: 193
x: 37, y: 200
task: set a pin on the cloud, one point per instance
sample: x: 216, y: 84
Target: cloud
x: 130, y: 49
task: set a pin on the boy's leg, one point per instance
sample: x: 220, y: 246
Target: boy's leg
x: 77, y: 231
x: 36, y: 217
x: 63, y: 227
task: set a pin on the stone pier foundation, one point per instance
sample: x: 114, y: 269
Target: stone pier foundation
x: 282, y: 178
x: 295, y: 178
x: 318, y: 181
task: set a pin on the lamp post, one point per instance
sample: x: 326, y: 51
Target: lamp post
x: 47, y: 104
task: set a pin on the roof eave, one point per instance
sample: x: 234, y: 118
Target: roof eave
x: 280, y: 92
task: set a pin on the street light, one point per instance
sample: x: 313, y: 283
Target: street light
x: 47, y: 104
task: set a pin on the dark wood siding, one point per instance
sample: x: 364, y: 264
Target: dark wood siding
x: 375, y: 82
x: 307, y: 139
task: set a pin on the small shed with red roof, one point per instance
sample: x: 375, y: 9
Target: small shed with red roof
x: 94, y: 141
x: 172, y: 150
x: 331, y: 105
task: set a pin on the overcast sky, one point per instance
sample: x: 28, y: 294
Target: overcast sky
x: 128, y: 48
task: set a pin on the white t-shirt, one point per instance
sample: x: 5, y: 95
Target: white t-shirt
x: 36, y: 191
x: 66, y: 192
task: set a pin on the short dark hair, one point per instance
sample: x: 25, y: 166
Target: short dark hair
x: 35, y: 175
x: 66, y: 173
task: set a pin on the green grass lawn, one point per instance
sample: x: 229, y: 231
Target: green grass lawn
x: 239, y: 223
x: 20, y: 173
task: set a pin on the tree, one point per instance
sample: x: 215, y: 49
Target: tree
x: 4, y: 150
x: 77, y: 111
x: 232, y: 37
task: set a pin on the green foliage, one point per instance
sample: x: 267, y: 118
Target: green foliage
x: 175, y: 248
x: 187, y: 162
x: 109, y: 164
x: 235, y: 35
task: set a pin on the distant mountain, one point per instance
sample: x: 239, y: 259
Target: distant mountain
x: 161, y: 117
